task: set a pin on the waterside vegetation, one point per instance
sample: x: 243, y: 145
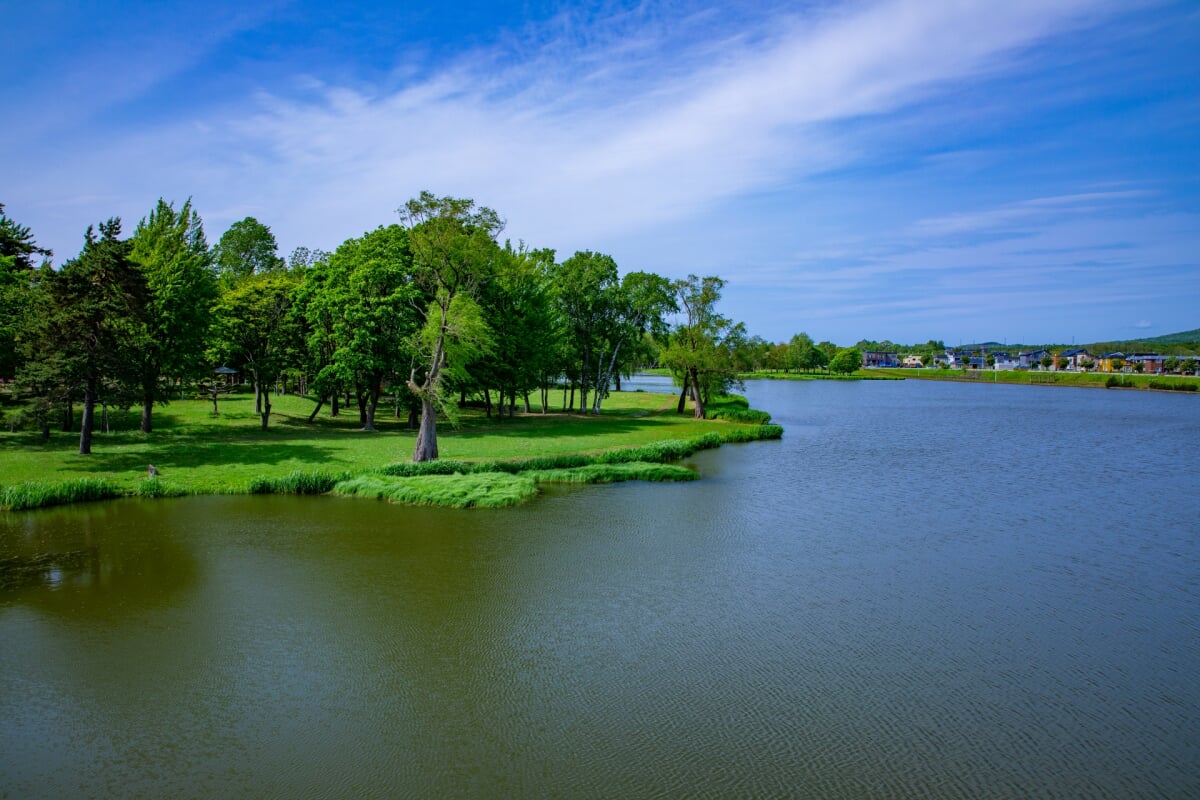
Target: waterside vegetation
x: 484, y: 463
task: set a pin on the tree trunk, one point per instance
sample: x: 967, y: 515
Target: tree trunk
x: 426, y: 448
x: 683, y: 395
x: 89, y: 413
x: 361, y: 397
x: 412, y: 418
x: 696, y: 388
x: 68, y: 420
x: 372, y: 404
x: 104, y: 418
x: 266, y: 411
x: 333, y: 403
x: 487, y: 403
x: 258, y: 393
x: 147, y: 406
x: 527, y: 409
x: 603, y: 376
x: 617, y: 379
x: 315, y: 411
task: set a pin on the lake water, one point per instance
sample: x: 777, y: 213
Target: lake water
x: 924, y: 590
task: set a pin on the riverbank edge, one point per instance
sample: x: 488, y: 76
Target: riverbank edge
x: 1088, y: 380
x: 427, y: 483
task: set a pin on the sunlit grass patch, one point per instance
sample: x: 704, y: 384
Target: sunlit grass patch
x: 482, y: 490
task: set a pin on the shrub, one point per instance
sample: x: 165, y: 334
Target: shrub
x: 1176, y: 386
x: 298, y: 482
x: 41, y: 495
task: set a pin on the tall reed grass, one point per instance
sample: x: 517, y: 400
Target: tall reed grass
x: 491, y: 490
x: 39, y: 494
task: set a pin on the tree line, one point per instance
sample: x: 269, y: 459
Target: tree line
x: 432, y: 312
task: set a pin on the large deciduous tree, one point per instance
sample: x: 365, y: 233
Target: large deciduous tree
x: 585, y: 285
x: 171, y: 251
x: 254, y: 327
x: 373, y: 304
x: 247, y: 248
x: 846, y: 361
x: 518, y: 306
x: 453, y: 244
x: 637, y: 307
x: 696, y: 352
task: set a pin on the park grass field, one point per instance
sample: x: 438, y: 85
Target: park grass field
x: 197, y: 452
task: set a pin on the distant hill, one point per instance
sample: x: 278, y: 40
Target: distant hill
x: 1175, y: 338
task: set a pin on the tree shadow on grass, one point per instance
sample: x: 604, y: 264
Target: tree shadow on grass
x: 536, y: 427
x: 180, y: 453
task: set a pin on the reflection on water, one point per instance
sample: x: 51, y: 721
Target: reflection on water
x: 923, y: 590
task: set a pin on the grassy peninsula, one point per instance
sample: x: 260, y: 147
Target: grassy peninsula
x: 484, y: 462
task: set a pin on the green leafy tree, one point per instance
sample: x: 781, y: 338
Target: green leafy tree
x: 637, y: 307
x: 453, y: 243
x: 247, y: 248
x: 696, y: 353
x: 846, y: 361
x: 253, y: 326
x: 372, y: 301
x: 518, y: 304
x: 95, y: 304
x: 17, y: 277
x: 170, y: 249
x: 803, y: 354
x: 586, y: 285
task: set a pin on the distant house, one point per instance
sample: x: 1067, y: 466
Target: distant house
x: 1031, y: 359
x: 874, y: 358
x: 913, y: 361
x: 977, y: 362
x: 951, y: 358
x: 1069, y: 359
x: 1110, y: 362
x: 1151, y: 363
x: 1006, y: 361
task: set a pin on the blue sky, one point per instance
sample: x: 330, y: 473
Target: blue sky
x: 965, y: 170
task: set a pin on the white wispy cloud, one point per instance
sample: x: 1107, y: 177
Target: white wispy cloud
x: 632, y: 135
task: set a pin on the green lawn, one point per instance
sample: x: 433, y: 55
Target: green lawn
x: 196, y: 452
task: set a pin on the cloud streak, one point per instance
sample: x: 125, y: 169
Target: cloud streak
x: 664, y: 139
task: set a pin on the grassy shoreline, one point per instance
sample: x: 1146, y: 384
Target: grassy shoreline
x: 195, y: 452
x: 1091, y: 380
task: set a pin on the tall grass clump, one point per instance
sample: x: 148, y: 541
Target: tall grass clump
x: 488, y: 490
x: 36, y: 494
x: 1174, y: 386
x: 735, y: 408
x: 751, y: 433
x: 613, y: 473
x: 157, y: 487
x: 299, y: 482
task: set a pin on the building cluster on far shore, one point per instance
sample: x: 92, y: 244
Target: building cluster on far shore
x: 1076, y: 359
